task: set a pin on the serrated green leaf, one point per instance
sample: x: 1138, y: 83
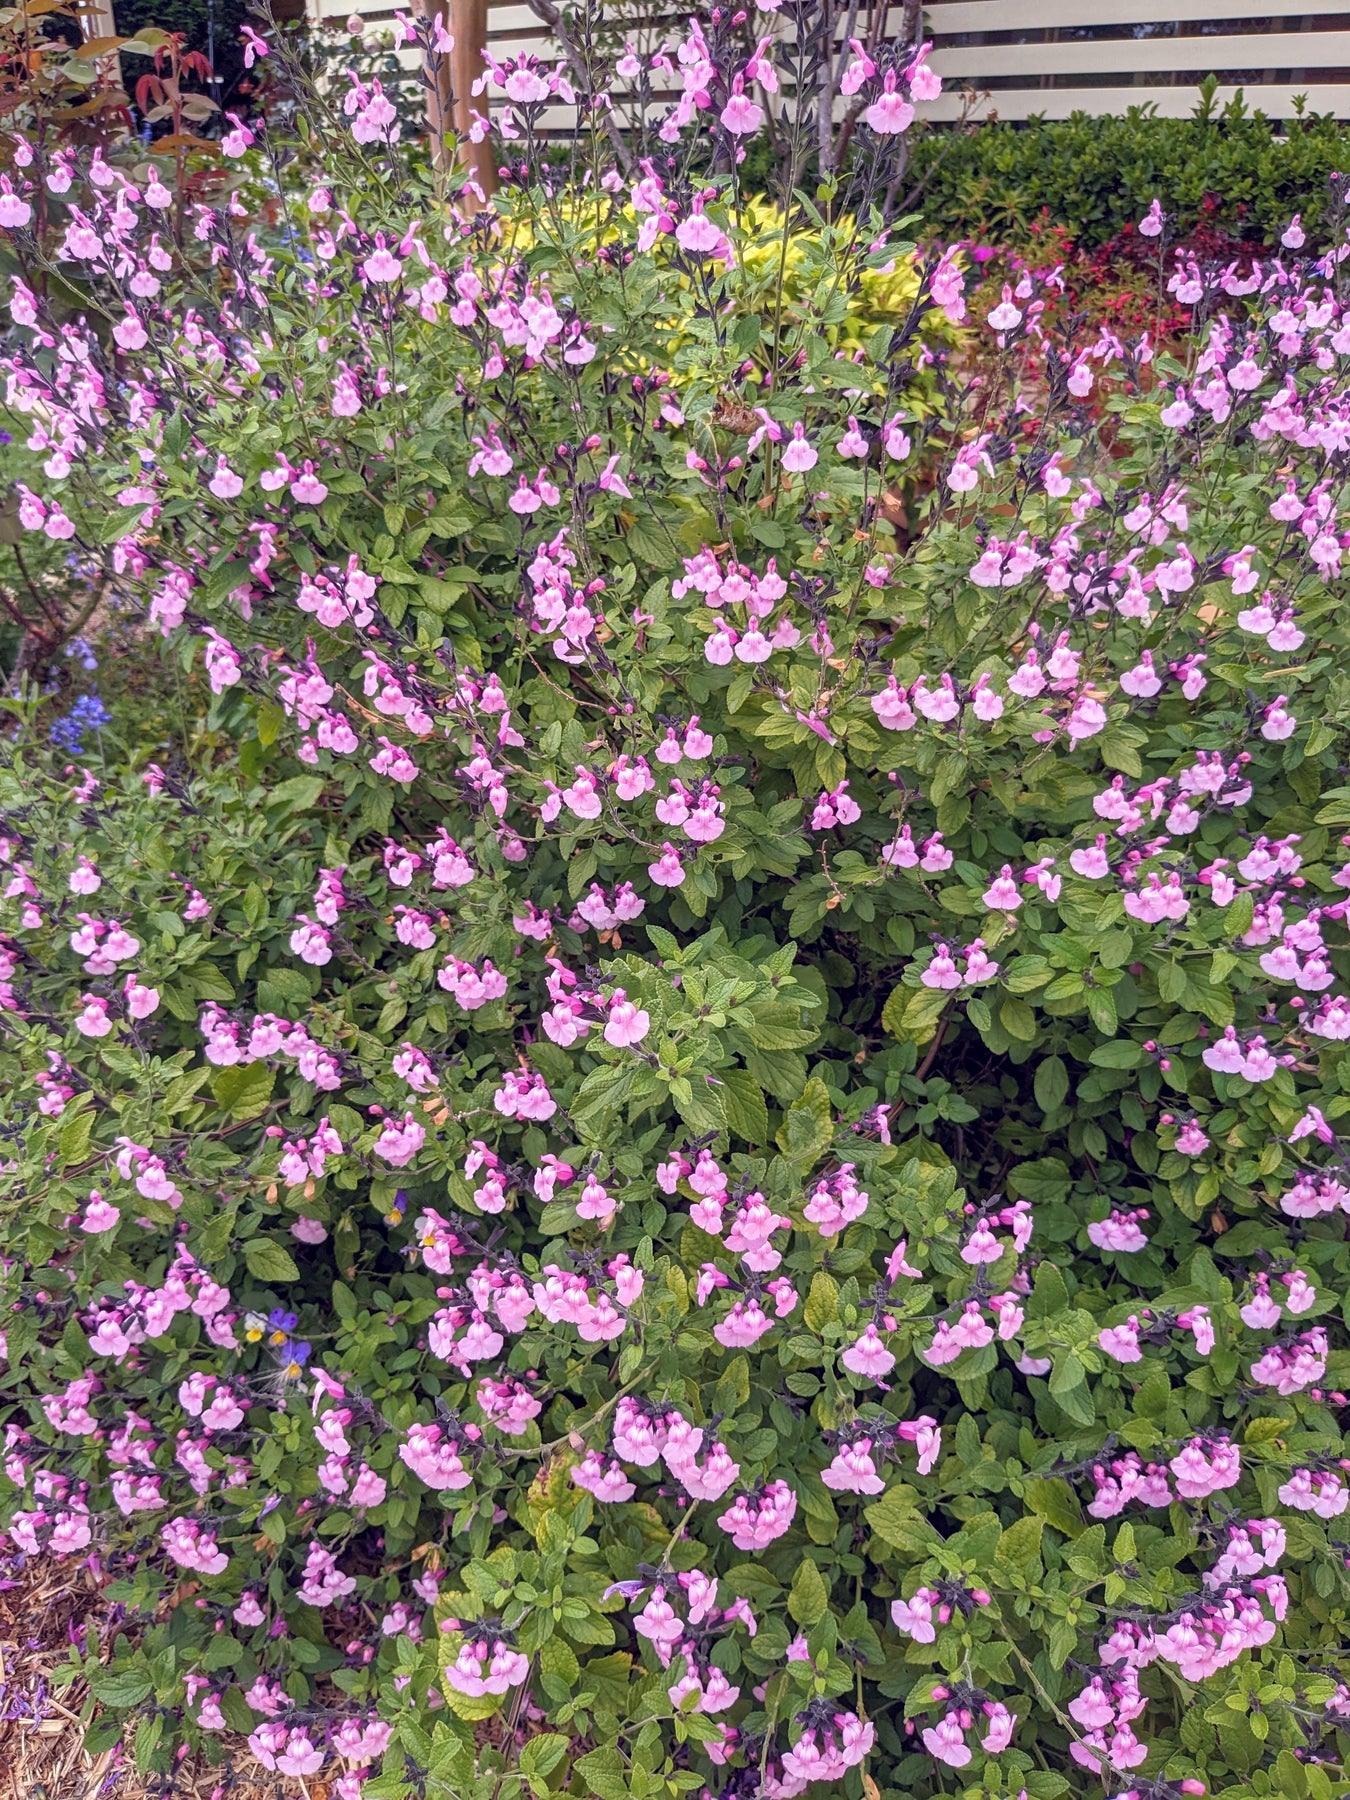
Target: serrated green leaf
x: 268, y: 1260
x: 242, y: 1092
x: 743, y: 1100
x: 822, y: 1301
x: 808, y: 1598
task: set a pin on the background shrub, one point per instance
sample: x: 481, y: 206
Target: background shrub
x: 1228, y: 167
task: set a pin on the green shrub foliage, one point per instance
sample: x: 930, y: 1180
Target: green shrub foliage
x: 1225, y: 167
x: 689, y: 1140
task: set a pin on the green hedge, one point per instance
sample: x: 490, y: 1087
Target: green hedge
x: 1225, y: 167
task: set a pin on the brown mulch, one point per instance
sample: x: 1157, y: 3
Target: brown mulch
x: 42, y: 1753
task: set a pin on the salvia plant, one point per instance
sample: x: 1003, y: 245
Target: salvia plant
x: 690, y: 1142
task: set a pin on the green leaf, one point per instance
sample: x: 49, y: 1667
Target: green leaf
x: 236, y: 1709
x: 243, y: 1091
x: 1049, y: 1296
x: 893, y: 1012
x: 270, y: 720
x: 808, y: 1124
x: 298, y: 795
x: 733, y: 1385
x: 183, y: 1089
x: 923, y: 1008
x: 1102, y: 1010
x: 775, y: 1026
x: 1118, y: 752
x: 540, y: 1756
x: 1088, y: 1557
x: 1019, y: 1550
x: 1045, y: 1179
x: 781, y: 1073
x: 73, y: 1138
x: 1018, y: 1020
x: 1068, y: 1384
x: 1026, y: 973
x: 268, y: 1260
x: 822, y: 1302
x: 1291, y: 1778
x: 746, y: 1112
x: 809, y: 1598
x: 1120, y: 1053
x: 604, y: 1774
x: 1056, y: 1503
x: 896, y: 1523
x: 1051, y: 1084
x: 120, y: 1688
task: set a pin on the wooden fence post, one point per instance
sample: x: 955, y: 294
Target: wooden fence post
x: 450, y: 97
x: 468, y: 24
x: 440, y: 117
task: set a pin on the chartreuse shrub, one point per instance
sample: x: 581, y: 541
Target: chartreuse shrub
x: 676, y: 1147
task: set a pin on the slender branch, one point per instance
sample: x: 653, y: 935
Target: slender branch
x: 552, y: 17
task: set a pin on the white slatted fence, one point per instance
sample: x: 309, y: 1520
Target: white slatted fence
x: 1023, y: 58
x: 1056, y: 57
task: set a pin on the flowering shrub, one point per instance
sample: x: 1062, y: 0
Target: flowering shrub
x: 681, y: 1148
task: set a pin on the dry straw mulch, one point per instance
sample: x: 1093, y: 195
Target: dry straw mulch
x: 42, y: 1753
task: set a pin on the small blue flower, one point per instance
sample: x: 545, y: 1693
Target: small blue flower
x: 87, y: 714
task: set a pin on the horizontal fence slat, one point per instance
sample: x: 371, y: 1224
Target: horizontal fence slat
x: 1170, y: 102
x: 1054, y: 15
x: 1137, y: 56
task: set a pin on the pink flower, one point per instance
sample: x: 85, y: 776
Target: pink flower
x: 1122, y: 1342
x: 869, y: 1356
x: 853, y: 1470
x: 301, y: 1756
x: 99, y: 1214
x: 93, y: 1021
x: 667, y: 870
x: 915, y: 1617
x: 381, y: 265
x: 999, y: 1727
x: 1005, y: 316
x: 699, y: 235
x: 946, y: 1743
x: 799, y: 456
x: 888, y: 115
x: 266, y: 1741
x: 141, y: 1000
x: 740, y: 115
x: 399, y: 1141
x: 1001, y: 895
x: 307, y: 488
